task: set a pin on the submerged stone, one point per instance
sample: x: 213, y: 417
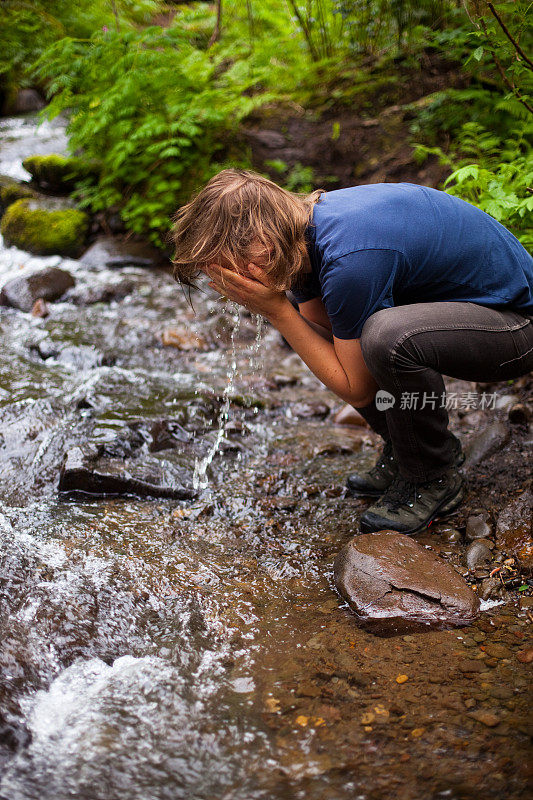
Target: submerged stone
x: 84, y: 473
x: 394, y: 585
x: 24, y: 290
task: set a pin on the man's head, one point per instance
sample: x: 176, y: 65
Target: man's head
x: 238, y: 217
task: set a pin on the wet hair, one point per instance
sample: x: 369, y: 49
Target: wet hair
x: 239, y: 210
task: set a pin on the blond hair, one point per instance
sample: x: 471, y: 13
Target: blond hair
x: 236, y: 210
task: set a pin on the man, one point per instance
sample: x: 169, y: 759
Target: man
x: 396, y: 285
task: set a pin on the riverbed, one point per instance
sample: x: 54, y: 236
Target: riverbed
x: 158, y: 648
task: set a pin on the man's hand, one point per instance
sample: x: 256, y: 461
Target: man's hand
x: 254, y: 292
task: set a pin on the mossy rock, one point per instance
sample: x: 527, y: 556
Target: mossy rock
x: 59, y: 173
x: 30, y: 227
x: 11, y: 190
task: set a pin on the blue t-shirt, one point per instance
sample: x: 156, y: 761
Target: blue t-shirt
x: 389, y: 244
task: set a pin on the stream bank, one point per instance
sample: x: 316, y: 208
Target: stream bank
x: 166, y: 648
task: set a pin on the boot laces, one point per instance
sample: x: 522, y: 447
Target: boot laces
x: 399, y: 493
x: 385, y: 460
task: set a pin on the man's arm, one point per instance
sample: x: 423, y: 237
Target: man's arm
x: 338, y: 364
x: 314, y: 313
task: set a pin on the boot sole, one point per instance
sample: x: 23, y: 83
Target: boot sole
x: 446, y: 508
x: 370, y: 493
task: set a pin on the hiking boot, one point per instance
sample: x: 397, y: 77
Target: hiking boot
x: 409, y: 507
x: 374, y: 481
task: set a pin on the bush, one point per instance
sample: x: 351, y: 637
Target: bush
x: 154, y: 110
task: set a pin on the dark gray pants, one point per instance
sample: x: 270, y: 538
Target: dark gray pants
x: 408, y: 349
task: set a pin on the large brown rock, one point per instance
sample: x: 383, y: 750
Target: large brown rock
x: 394, y: 585
x: 45, y: 284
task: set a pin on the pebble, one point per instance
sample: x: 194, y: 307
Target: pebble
x: 477, y: 553
x: 471, y: 666
x: 476, y: 528
x: 501, y: 692
x: 520, y: 414
x: 525, y: 656
x: 347, y: 415
x: 448, y: 534
x: 497, y: 651
x: 485, y: 717
x: 402, y: 678
x: 40, y: 308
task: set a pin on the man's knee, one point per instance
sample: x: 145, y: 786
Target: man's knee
x: 381, y: 335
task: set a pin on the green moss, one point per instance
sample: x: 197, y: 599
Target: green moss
x: 59, y: 172
x: 44, y: 232
x: 11, y: 190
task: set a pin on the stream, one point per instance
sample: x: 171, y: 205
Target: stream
x: 158, y: 648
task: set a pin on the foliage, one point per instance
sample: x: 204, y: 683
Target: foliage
x: 28, y: 27
x: 489, y: 132
x: 153, y: 109
x: 160, y: 107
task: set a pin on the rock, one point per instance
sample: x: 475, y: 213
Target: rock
x: 477, y: 553
x: 30, y: 226
x: 514, y: 528
x: 308, y: 410
x: 505, y: 401
x: 485, y: 717
x: 272, y: 140
x: 490, y: 588
x: 448, y: 533
x: 348, y: 415
x: 40, y: 308
x: 485, y: 443
x: 525, y: 656
x: 109, y: 251
x: 182, y: 339
x: 24, y: 101
x: 520, y: 414
x: 394, y: 585
x: 11, y: 190
x: 495, y: 650
x: 476, y: 528
x: 82, y: 472
x: 103, y: 293
x: 25, y: 289
x: 59, y: 173
x: 81, y: 357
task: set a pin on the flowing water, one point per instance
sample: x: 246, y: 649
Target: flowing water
x: 155, y: 648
